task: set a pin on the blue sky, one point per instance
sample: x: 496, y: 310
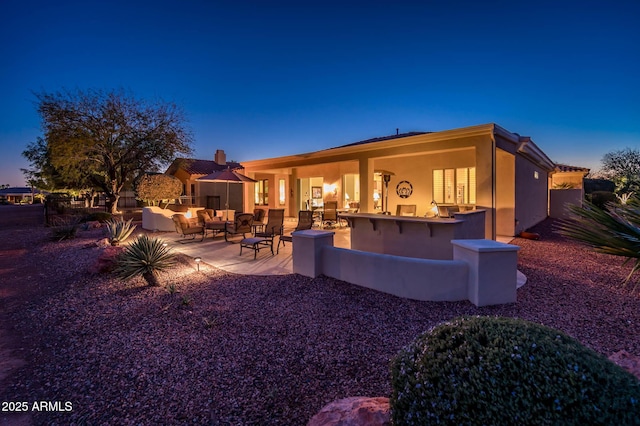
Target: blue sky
x: 268, y: 78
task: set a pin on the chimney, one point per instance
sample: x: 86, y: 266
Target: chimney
x: 220, y: 157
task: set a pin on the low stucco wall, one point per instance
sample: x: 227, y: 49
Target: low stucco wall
x: 411, y: 278
x: 482, y: 271
x: 560, y: 198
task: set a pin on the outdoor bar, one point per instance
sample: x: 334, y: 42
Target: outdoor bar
x: 419, y: 237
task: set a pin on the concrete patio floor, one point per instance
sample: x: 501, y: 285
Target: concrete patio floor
x: 215, y: 251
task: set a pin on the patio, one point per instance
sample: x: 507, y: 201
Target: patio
x: 226, y: 255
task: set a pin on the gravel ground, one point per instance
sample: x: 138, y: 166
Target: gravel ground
x: 246, y: 350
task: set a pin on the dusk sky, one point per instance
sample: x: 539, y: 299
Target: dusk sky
x: 263, y: 79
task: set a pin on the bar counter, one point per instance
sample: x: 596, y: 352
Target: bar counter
x: 419, y: 237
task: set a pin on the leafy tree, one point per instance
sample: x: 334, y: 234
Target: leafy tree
x: 105, y: 140
x: 614, y: 230
x: 623, y: 167
x: 153, y: 188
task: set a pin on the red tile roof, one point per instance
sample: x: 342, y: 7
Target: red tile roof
x: 194, y: 166
x: 567, y: 168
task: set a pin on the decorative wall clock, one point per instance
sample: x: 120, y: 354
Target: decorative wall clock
x: 404, y: 189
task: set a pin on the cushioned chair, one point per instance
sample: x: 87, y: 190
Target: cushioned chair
x: 305, y: 221
x: 258, y: 219
x: 211, y: 222
x: 205, y: 215
x: 186, y: 228
x: 330, y: 213
x: 406, y: 210
x: 240, y: 225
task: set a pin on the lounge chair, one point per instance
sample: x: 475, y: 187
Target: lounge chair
x: 187, y: 228
x: 240, y: 225
x: 305, y: 221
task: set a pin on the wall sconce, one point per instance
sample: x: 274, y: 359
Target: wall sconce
x: 330, y: 189
x: 198, y: 260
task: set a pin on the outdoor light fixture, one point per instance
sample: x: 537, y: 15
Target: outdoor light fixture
x: 198, y: 260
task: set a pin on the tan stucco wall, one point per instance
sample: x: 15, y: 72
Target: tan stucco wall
x: 505, y: 193
x: 418, y: 170
x: 531, y: 194
x: 574, y: 178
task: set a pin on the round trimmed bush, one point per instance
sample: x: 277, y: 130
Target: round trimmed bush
x: 498, y: 371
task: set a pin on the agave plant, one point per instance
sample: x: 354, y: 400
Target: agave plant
x: 118, y: 230
x: 144, y: 257
x: 625, y: 198
x: 614, y: 230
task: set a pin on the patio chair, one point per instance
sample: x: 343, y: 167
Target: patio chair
x: 186, y: 228
x: 240, y: 225
x: 258, y: 219
x: 330, y: 213
x: 205, y: 215
x: 447, y: 211
x: 305, y: 221
x: 273, y: 228
x: 406, y: 210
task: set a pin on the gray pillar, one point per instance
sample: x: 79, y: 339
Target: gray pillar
x: 493, y: 270
x: 307, y: 251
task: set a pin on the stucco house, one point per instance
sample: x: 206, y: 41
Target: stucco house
x: 19, y: 195
x: 477, y: 167
x: 210, y: 195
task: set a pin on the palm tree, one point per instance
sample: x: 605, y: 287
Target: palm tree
x: 614, y: 230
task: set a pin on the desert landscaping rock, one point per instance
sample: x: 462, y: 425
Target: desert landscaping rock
x: 215, y: 348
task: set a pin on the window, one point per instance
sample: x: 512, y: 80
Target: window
x: 262, y: 192
x: 455, y: 186
x: 281, y: 191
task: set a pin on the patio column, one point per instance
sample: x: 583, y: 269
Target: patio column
x: 365, y: 168
x: 493, y: 270
x: 307, y: 251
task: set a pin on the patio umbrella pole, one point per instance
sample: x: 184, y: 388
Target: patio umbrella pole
x: 227, y: 201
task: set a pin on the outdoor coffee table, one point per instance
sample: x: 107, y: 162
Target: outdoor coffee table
x: 215, y: 226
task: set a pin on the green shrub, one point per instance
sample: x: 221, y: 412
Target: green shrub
x: 144, y: 257
x: 602, y: 198
x: 118, y: 230
x: 499, y: 371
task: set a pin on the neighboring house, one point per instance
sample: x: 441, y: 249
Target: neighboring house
x: 19, y: 195
x: 564, y: 174
x: 567, y: 187
x: 483, y: 167
x: 206, y: 194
